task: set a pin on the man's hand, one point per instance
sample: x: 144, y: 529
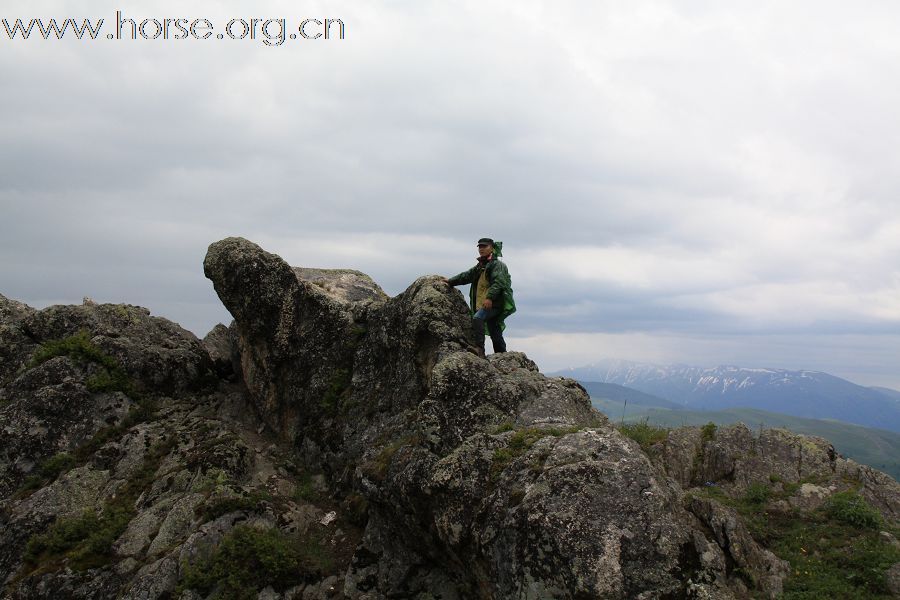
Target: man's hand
x: 445, y: 280
x: 488, y: 304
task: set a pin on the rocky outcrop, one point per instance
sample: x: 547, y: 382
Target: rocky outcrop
x: 160, y: 356
x: 735, y: 458
x: 59, y: 404
x: 766, y: 571
x: 337, y: 442
x: 483, y: 478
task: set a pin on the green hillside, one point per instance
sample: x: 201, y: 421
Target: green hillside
x: 877, y: 448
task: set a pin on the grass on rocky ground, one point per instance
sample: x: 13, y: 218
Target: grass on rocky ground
x: 305, y: 490
x: 110, y: 377
x: 85, y: 541
x: 643, y: 433
x: 836, y: 551
x: 378, y: 467
x: 214, y: 508
x: 249, y: 559
x: 46, y: 472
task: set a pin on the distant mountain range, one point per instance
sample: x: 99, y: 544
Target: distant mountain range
x: 621, y: 394
x: 808, y: 394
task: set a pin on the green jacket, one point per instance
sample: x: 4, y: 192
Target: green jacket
x: 500, y: 286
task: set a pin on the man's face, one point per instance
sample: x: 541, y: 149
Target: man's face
x: 484, y: 250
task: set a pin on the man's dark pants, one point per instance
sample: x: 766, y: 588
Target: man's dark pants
x: 489, y: 317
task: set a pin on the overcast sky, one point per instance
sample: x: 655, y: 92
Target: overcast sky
x: 698, y: 182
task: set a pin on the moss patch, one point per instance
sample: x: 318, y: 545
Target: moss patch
x: 521, y: 442
x: 377, y: 468
x: 305, y: 490
x: 504, y: 427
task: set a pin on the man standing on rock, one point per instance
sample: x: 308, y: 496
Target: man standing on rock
x: 490, y: 294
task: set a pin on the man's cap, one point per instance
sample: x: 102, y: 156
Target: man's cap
x: 486, y: 241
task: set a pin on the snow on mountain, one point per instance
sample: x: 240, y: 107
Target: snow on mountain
x: 802, y: 393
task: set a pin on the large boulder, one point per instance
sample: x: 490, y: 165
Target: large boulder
x: 293, y: 334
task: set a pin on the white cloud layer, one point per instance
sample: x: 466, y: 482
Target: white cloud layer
x: 662, y: 171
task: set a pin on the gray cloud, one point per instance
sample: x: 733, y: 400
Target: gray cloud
x: 677, y: 170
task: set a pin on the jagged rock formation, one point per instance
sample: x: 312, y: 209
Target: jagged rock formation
x: 136, y: 458
x: 124, y: 460
x: 386, y: 394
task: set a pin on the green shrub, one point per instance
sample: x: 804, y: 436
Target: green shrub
x: 502, y: 457
x: 337, y: 392
x: 829, y: 559
x: 79, y: 347
x: 110, y: 381
x: 791, y: 488
x: 711, y: 490
x: 63, y: 535
x: 708, y: 432
x: 757, y: 494
x: 86, y: 539
x: 645, y: 434
x: 248, y: 559
x: 356, y: 509
x: 850, y: 508
x: 215, y: 508
x: 504, y: 427
x: 48, y: 471
x: 305, y: 490
x: 31, y: 483
x: 54, y: 466
x: 523, y: 439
